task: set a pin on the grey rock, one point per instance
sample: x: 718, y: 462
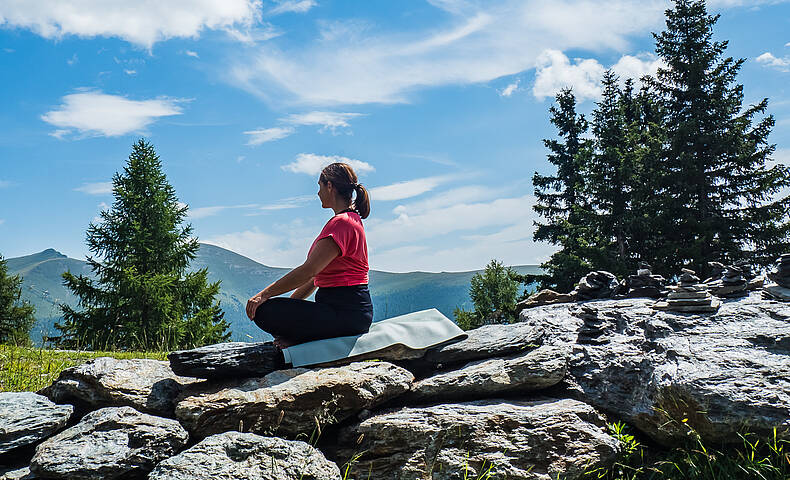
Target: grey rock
x: 534, y: 370
x: 486, y: 342
x: 291, y: 402
x: 146, y: 385
x: 775, y: 292
x: 538, y: 439
x: 26, y: 418
x: 17, y: 474
x: 223, y: 360
x: 234, y: 455
x: 109, y: 443
x: 718, y: 372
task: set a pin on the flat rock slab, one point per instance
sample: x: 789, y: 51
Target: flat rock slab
x: 109, y: 443
x: 534, y: 370
x: 146, y: 385
x: 224, y: 360
x: 667, y: 373
x: 486, y: 342
x: 234, y: 455
x: 291, y: 402
x: 26, y: 418
x: 520, y: 439
x: 17, y: 474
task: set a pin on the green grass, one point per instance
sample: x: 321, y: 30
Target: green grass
x: 31, y: 369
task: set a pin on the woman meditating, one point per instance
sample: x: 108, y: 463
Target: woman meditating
x: 337, y: 264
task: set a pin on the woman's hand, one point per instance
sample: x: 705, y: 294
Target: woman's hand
x: 254, y: 302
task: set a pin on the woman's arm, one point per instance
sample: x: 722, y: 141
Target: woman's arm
x: 305, y: 290
x: 323, y: 253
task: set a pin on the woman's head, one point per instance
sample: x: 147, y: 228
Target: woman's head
x: 344, y: 182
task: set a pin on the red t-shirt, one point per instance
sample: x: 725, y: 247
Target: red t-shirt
x: 351, y: 267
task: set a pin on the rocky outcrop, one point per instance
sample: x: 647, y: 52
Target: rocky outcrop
x: 290, y: 402
x: 233, y: 359
x: 146, y: 385
x: 109, y: 443
x: 234, y: 455
x: 26, y: 418
x: 525, y: 372
x: 486, y: 342
x: 668, y: 373
x: 537, y: 439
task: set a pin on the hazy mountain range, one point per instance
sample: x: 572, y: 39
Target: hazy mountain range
x: 393, y: 293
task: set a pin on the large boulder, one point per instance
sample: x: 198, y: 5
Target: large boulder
x: 235, y: 455
x: 290, y: 402
x: 534, y: 370
x: 229, y: 359
x: 146, y: 385
x: 26, y: 418
x: 673, y: 374
x: 539, y: 439
x: 113, y: 442
x: 486, y: 342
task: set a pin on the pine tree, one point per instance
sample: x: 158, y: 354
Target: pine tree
x: 142, y: 297
x: 493, y: 294
x: 16, y: 315
x: 717, y: 192
x: 560, y: 198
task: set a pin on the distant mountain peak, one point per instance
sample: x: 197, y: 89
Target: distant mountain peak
x: 52, y: 253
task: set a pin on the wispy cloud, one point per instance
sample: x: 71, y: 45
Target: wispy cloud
x: 264, y: 135
x: 407, y: 189
x: 192, y: 54
x: 767, y: 59
x: 292, y: 6
x: 509, y: 90
x: 130, y: 72
x: 203, y: 212
x: 143, y: 22
x: 312, y: 164
x: 4, y: 183
x: 2, y: 221
x: 327, y: 120
x: 73, y: 60
x: 94, y: 113
x: 98, y: 188
x: 287, y: 203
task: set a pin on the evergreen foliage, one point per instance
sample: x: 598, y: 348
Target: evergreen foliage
x: 142, y: 298
x: 493, y: 294
x: 16, y: 315
x: 676, y: 175
x: 717, y: 190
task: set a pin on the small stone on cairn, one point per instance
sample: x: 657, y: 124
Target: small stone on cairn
x: 689, y: 296
x: 596, y: 285
x: 643, y: 284
x: 716, y: 271
x: 594, y: 328
x: 732, y: 283
x: 781, y: 289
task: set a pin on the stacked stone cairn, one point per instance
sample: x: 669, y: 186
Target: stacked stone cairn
x: 780, y: 289
x: 596, y: 285
x: 643, y: 284
x: 732, y: 283
x: 689, y: 296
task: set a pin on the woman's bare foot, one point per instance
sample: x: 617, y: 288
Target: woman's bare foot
x: 281, y: 343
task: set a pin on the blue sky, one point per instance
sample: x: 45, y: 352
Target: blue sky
x: 441, y: 106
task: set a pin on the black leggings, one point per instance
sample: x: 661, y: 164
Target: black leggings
x: 336, y: 312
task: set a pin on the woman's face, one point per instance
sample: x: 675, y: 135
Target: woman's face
x: 325, y: 193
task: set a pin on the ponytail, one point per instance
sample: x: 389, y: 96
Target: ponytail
x: 362, y: 202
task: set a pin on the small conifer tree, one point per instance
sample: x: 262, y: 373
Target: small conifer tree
x: 493, y: 294
x: 16, y: 315
x: 142, y: 297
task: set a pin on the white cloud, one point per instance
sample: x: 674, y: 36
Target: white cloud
x: 509, y: 90
x: 2, y: 221
x: 294, y: 6
x: 98, y: 188
x: 768, y: 60
x: 192, y: 54
x: 555, y: 72
x: 143, y: 22
x: 287, y: 203
x: 130, y: 72
x: 74, y: 59
x: 327, y: 120
x: 312, y: 164
x: 407, y: 189
x: 264, y: 135
x: 787, y: 44
x: 288, y: 248
x: 477, y: 41
x: 94, y: 113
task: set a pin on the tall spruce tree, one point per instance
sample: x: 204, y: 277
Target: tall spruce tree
x: 717, y: 192
x: 561, y: 199
x: 16, y: 315
x: 142, y: 297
